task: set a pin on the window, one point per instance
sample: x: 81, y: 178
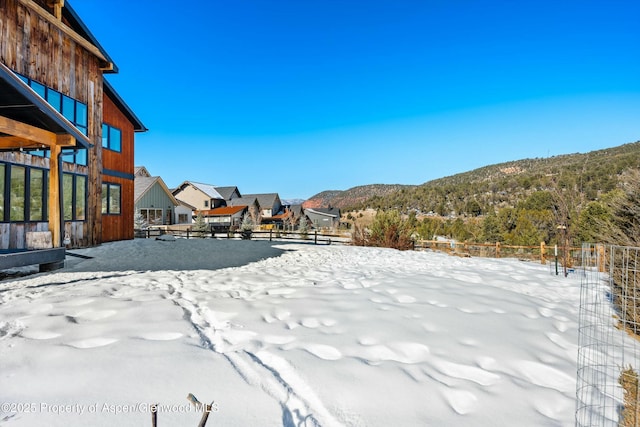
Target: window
x: 78, y: 157
x: 80, y: 202
x: 67, y: 198
x: 23, y: 193
x: 111, y: 199
x: 111, y: 138
x: 37, y: 195
x: 17, y: 197
x: 74, y: 196
x: 206, y: 203
x: 152, y: 216
x: 183, y: 219
x: 72, y: 109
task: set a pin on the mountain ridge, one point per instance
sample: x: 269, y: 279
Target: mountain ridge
x: 590, y: 173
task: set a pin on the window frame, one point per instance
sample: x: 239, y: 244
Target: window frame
x: 71, y: 201
x: 107, y: 140
x: 106, y: 198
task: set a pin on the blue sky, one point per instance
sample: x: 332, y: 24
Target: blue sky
x: 301, y: 96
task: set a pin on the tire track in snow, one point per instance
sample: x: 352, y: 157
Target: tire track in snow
x: 274, y: 375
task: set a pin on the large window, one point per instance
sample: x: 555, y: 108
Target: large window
x: 73, y: 110
x: 80, y: 202
x: 74, y: 190
x: 23, y: 193
x: 111, y: 138
x: 37, y: 195
x: 152, y: 216
x: 17, y: 197
x: 111, y: 199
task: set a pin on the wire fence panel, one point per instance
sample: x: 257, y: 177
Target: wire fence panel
x: 609, y: 346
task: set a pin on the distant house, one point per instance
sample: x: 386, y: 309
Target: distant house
x: 201, y: 196
x: 323, y: 217
x: 269, y: 203
x: 184, y: 213
x: 228, y: 193
x: 153, y: 199
x: 223, y: 218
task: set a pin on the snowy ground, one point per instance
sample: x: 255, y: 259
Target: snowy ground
x: 287, y: 335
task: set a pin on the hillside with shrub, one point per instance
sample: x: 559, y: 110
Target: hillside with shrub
x: 354, y: 196
x: 580, y: 197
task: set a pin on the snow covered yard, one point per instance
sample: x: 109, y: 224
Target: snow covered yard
x: 287, y: 335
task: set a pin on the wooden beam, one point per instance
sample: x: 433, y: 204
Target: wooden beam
x: 22, y: 135
x: 57, y: 6
x: 65, y: 140
x: 25, y: 131
x: 64, y: 28
x: 55, y: 215
x: 28, y: 132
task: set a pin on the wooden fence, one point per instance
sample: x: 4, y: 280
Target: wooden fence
x: 543, y: 252
x: 315, y: 237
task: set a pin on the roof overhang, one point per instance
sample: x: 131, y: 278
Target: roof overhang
x: 28, y: 122
x: 123, y: 107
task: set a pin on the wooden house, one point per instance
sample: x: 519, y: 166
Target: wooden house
x: 66, y: 136
x: 153, y: 199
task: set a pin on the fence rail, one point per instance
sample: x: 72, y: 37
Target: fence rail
x: 315, y: 237
x: 542, y: 252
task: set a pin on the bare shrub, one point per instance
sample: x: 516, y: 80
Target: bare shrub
x: 629, y: 382
x: 388, y: 230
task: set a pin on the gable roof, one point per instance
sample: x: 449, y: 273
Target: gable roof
x: 142, y: 184
x: 20, y: 103
x: 207, y: 189
x: 141, y: 171
x: 243, y: 201
x: 266, y: 200
x: 227, y: 192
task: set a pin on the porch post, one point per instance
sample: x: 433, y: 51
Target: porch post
x: 55, y: 216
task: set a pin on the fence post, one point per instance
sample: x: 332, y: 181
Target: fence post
x: 600, y: 258
x: 497, y: 249
x: 270, y: 234
x: 542, y: 253
x: 315, y: 240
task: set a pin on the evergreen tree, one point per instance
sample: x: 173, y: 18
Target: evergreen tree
x: 303, y: 226
x: 246, y: 228
x: 200, y: 226
x: 139, y: 223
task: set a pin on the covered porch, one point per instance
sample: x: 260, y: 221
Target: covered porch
x: 28, y: 122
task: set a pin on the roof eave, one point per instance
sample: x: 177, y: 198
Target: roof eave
x: 122, y: 106
x: 79, y: 26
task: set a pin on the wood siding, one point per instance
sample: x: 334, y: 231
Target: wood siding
x: 119, y: 227
x: 34, y: 47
